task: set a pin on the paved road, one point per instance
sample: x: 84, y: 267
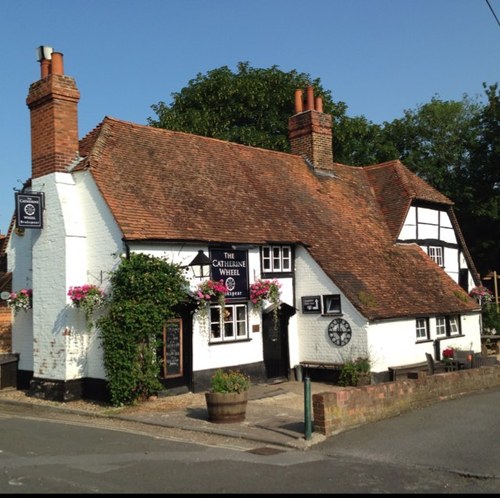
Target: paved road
x: 449, y: 447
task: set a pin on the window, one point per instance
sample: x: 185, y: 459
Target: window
x: 454, y: 325
x: 447, y: 326
x: 277, y: 258
x: 331, y: 304
x: 440, y: 326
x: 436, y: 254
x: 422, y: 328
x: 231, y: 327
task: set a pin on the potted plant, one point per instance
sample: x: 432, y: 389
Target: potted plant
x: 228, y: 396
x: 448, y: 355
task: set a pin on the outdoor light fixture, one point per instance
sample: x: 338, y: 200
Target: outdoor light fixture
x: 201, y: 265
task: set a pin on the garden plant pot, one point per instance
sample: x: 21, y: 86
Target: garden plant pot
x: 226, y: 408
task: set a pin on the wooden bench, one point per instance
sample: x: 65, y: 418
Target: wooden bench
x: 406, y: 371
x: 319, y: 364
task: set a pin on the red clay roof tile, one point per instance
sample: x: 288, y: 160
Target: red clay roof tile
x: 174, y: 186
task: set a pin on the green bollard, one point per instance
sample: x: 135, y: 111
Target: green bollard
x: 307, y: 408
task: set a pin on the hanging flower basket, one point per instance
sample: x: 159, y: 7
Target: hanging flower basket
x: 265, y: 290
x: 21, y: 300
x: 482, y: 294
x: 209, y: 291
x: 88, y: 298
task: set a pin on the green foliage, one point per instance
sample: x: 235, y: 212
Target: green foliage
x: 230, y: 381
x: 145, y: 291
x: 455, y: 147
x: 491, y: 318
x: 352, y: 370
x: 250, y: 106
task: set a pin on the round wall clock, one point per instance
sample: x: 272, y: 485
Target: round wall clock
x: 339, y: 332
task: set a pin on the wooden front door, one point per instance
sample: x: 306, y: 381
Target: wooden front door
x: 275, y: 342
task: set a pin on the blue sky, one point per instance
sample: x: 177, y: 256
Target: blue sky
x: 380, y: 57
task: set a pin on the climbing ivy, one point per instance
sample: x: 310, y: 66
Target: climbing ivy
x: 144, y: 292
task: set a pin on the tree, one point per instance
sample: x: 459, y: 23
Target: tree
x: 453, y: 145
x: 250, y: 106
x: 480, y: 210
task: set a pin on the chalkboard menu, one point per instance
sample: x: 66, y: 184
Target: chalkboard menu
x: 172, y: 349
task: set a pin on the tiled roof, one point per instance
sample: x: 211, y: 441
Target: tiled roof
x: 395, y: 187
x: 173, y: 186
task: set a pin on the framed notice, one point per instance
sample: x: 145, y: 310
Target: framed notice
x: 311, y: 304
x: 172, y: 349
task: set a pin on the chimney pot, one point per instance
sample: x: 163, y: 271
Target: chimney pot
x: 298, y: 101
x: 57, y: 63
x: 310, y: 98
x: 318, y: 104
x: 44, y: 68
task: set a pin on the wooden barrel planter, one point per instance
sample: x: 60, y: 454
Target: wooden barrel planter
x: 226, y: 408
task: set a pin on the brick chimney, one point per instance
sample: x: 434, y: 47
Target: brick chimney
x: 53, y: 104
x: 310, y: 130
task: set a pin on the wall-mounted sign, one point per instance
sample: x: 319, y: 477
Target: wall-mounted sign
x: 311, y: 304
x: 29, y: 210
x: 331, y: 304
x: 232, y: 267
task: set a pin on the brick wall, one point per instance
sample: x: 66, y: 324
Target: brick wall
x: 343, y: 409
x: 5, y: 329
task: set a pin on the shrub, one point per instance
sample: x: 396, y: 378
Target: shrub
x: 145, y: 291
x: 352, y: 370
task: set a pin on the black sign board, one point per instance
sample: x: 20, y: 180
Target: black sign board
x: 231, y: 266
x: 311, y: 304
x: 172, y: 349
x: 29, y: 209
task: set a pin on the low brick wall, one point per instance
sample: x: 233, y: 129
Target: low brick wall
x: 349, y: 407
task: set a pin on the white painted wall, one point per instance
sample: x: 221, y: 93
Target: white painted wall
x: 393, y: 343
x: 313, y: 342
x: 19, y: 263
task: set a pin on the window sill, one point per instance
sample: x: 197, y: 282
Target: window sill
x: 227, y: 341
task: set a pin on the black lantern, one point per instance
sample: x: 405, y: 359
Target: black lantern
x: 201, y: 265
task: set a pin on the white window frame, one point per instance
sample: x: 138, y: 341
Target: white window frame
x: 436, y: 254
x: 454, y: 325
x: 422, y: 328
x: 235, y: 325
x: 441, y: 326
x: 277, y: 259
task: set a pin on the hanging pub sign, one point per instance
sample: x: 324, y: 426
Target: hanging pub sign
x: 231, y: 266
x: 29, y: 209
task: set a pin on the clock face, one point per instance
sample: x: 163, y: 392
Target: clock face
x: 339, y: 332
